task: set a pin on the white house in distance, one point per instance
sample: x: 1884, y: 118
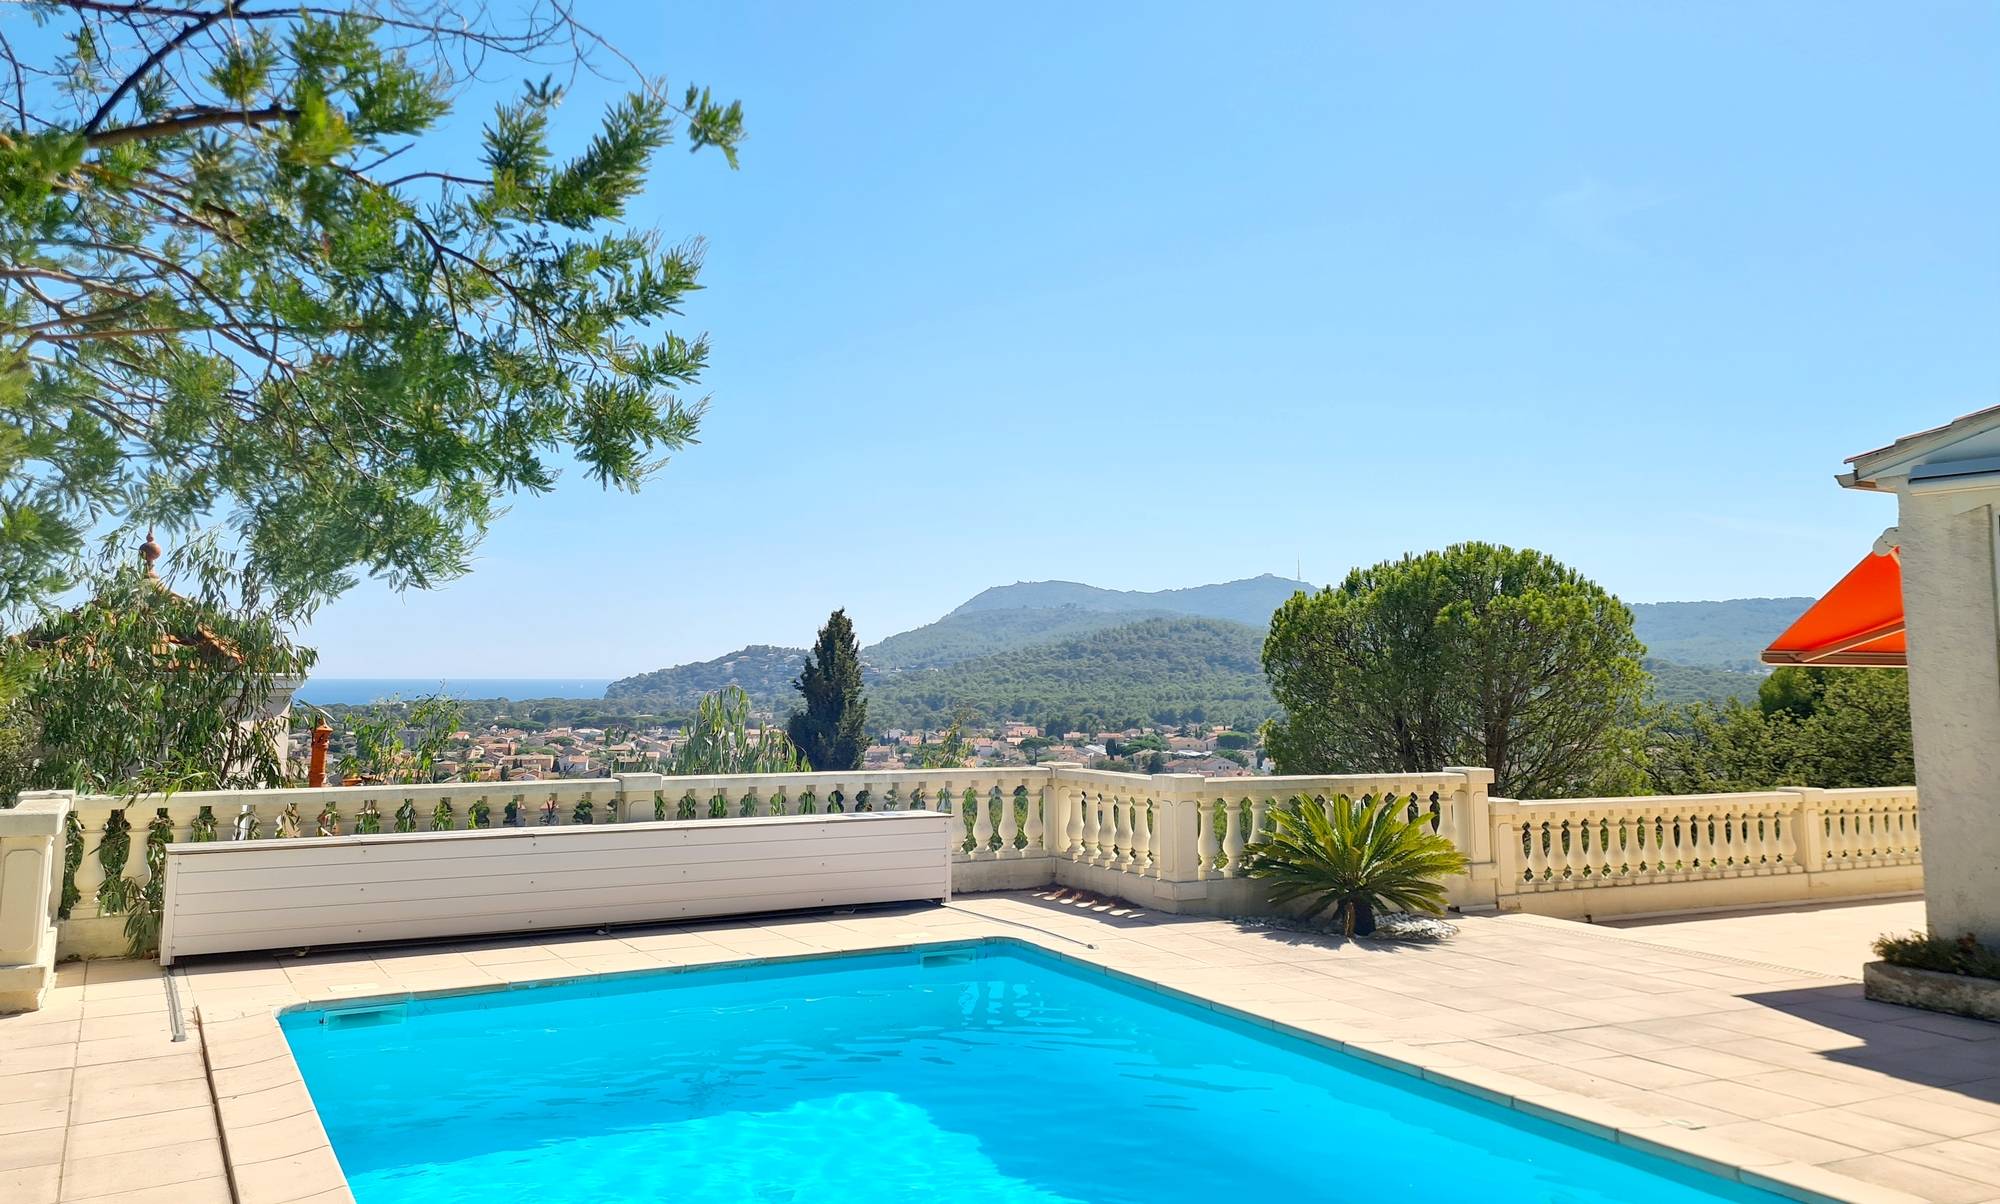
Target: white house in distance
x: 1946, y: 544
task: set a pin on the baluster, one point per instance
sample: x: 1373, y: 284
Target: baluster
x: 1693, y: 842
x: 1783, y: 839
x: 1120, y: 853
x: 1763, y: 841
x: 1016, y: 805
x: 1260, y: 819
x: 1033, y: 822
x: 1207, y: 840
x: 1090, y: 832
x: 1075, y: 803
x: 982, y: 824
x: 1233, y: 837
x: 1143, y: 862
x: 1539, y: 837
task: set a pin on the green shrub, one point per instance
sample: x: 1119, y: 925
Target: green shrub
x: 1922, y: 951
x: 1356, y: 856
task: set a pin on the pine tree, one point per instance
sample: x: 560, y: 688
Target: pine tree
x: 829, y: 730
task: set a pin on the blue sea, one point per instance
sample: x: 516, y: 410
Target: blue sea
x: 973, y: 1076
x: 360, y: 691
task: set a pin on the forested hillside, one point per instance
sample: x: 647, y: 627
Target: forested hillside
x: 1249, y: 601
x: 1727, y: 635
x: 1155, y: 670
x: 964, y: 635
x: 765, y: 671
x: 1034, y: 649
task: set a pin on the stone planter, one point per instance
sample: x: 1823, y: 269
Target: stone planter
x: 1958, y: 994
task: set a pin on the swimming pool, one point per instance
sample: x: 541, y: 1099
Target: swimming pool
x: 981, y: 1073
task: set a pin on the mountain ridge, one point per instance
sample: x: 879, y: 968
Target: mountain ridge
x: 1697, y: 649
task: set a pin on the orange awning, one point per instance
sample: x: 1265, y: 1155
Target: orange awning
x: 1859, y: 622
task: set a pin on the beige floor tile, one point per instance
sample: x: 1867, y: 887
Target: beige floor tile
x: 36, y: 1086
x: 33, y: 1116
x: 127, y: 988
x: 39, y: 1028
x: 280, y: 1180
x: 176, y: 1127
x: 1638, y: 1072
x: 259, y: 1107
x: 1820, y: 1089
x: 256, y: 1076
x: 1750, y: 1103
x: 184, y: 1062
x: 120, y: 969
x: 28, y: 1059
x: 1853, y: 1125
x: 1966, y: 1159
x: 1797, y: 1146
x: 30, y: 1185
x: 282, y: 1138
x: 153, y: 1023
x: 39, y: 1147
x: 142, y: 1099
x: 105, y: 1174
x: 124, y: 1050
x: 202, y: 1191
x: 1920, y: 1181
x: 127, y: 1005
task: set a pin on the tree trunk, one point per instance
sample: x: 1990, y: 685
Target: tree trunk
x: 1360, y: 918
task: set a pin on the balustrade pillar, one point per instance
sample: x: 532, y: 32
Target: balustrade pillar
x: 635, y: 796
x: 31, y: 853
x: 1176, y: 835
x: 1471, y: 813
x: 1809, y: 819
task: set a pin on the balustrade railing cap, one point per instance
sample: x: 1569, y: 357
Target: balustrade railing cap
x: 36, y: 814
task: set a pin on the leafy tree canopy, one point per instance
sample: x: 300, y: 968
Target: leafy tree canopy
x: 1811, y: 726
x: 1478, y: 654
x: 144, y: 689
x: 247, y: 281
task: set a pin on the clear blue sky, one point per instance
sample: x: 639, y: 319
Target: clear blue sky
x: 1154, y: 295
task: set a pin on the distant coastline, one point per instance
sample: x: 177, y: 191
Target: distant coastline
x: 360, y: 691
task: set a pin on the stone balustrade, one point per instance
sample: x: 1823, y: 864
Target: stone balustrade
x: 1583, y: 858
x: 1169, y: 841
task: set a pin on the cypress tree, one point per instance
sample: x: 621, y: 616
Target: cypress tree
x: 829, y: 730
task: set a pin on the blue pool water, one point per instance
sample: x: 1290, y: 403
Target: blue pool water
x: 981, y: 1074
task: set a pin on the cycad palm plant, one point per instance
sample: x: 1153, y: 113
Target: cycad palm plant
x: 1357, y: 856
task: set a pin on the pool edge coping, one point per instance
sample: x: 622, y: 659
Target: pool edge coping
x: 1793, y: 1180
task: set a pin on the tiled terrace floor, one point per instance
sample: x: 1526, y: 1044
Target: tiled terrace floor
x: 1784, y: 1072
x: 1828, y: 938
